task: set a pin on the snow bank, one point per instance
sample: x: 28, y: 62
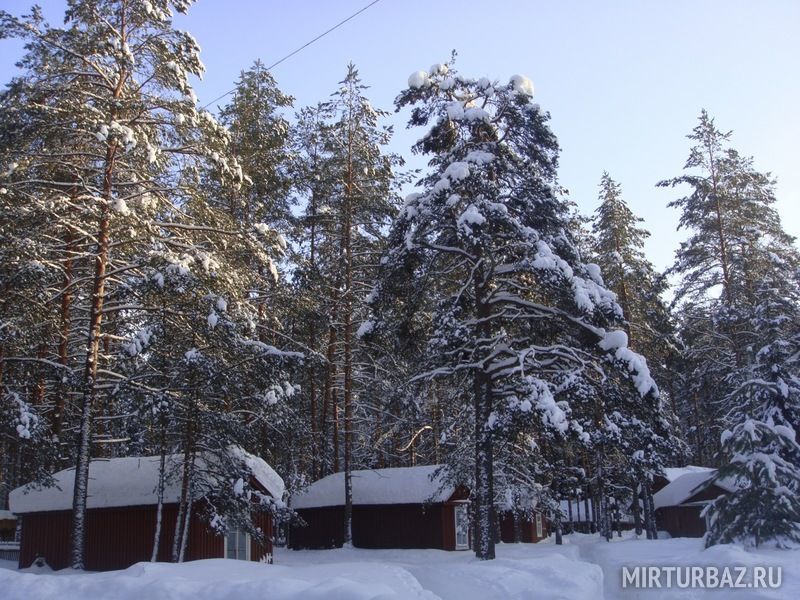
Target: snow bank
x: 549, y: 571
x: 687, y: 552
x: 129, y: 481
x: 402, y: 485
x: 584, y: 568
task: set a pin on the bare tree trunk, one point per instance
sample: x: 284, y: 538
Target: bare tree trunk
x: 652, y: 511
x: 347, y: 233
x: 160, y: 493
x: 63, y: 342
x: 646, y: 507
x: 90, y: 373
x: 558, y: 531
x: 329, y: 400
x: 187, y: 523
x: 312, y: 341
x: 185, y: 501
x: 571, y: 528
x: 93, y: 343
x: 589, y: 516
x: 484, y: 450
x: 636, y: 509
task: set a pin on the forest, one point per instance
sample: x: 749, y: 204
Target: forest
x: 180, y: 282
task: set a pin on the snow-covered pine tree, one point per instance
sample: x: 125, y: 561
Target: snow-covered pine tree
x: 313, y: 291
x: 740, y: 313
x: 350, y: 202
x: 259, y: 138
x: 730, y: 215
x: 517, y: 311
x: 365, y: 205
x: 618, y: 246
x: 648, y: 433
x: 112, y: 86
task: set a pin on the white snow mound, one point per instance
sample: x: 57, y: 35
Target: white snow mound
x: 522, y: 85
x: 418, y: 79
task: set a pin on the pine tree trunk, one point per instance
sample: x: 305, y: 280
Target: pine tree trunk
x: 348, y: 353
x: 312, y: 343
x: 63, y: 343
x: 484, y: 457
x: 183, y: 505
x: 187, y: 522
x: 589, y: 518
x: 646, y: 510
x: 93, y: 342
x: 651, y: 512
x: 312, y: 390
x: 329, y: 399
x: 723, y: 244
x: 160, y: 492
x: 557, y: 524
x: 636, y: 509
x: 569, y: 515
x: 90, y: 372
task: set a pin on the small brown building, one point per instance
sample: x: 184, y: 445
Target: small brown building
x: 121, y: 517
x: 679, y: 503
x: 532, y: 530
x: 406, y: 507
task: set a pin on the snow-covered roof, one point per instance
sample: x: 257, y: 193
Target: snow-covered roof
x: 129, y: 481
x: 401, y: 485
x: 687, y: 485
x: 263, y: 473
x: 672, y: 473
x: 7, y: 515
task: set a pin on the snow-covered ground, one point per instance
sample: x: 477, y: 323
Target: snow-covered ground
x: 583, y: 568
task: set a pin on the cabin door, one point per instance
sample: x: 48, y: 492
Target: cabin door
x: 462, y: 526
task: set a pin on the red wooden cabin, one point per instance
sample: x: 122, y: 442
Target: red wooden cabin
x: 532, y: 530
x: 679, y: 503
x: 121, y: 517
x: 406, y: 507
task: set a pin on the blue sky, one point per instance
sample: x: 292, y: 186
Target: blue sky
x: 623, y: 80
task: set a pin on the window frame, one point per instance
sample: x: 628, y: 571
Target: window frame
x: 238, y: 533
x: 462, y: 507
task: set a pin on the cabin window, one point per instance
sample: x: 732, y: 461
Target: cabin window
x: 237, y: 544
x: 538, y: 525
x: 462, y: 527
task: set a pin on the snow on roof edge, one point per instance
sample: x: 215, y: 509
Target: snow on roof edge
x: 396, y: 485
x: 687, y: 485
x: 127, y: 481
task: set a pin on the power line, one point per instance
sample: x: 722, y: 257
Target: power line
x: 304, y: 46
